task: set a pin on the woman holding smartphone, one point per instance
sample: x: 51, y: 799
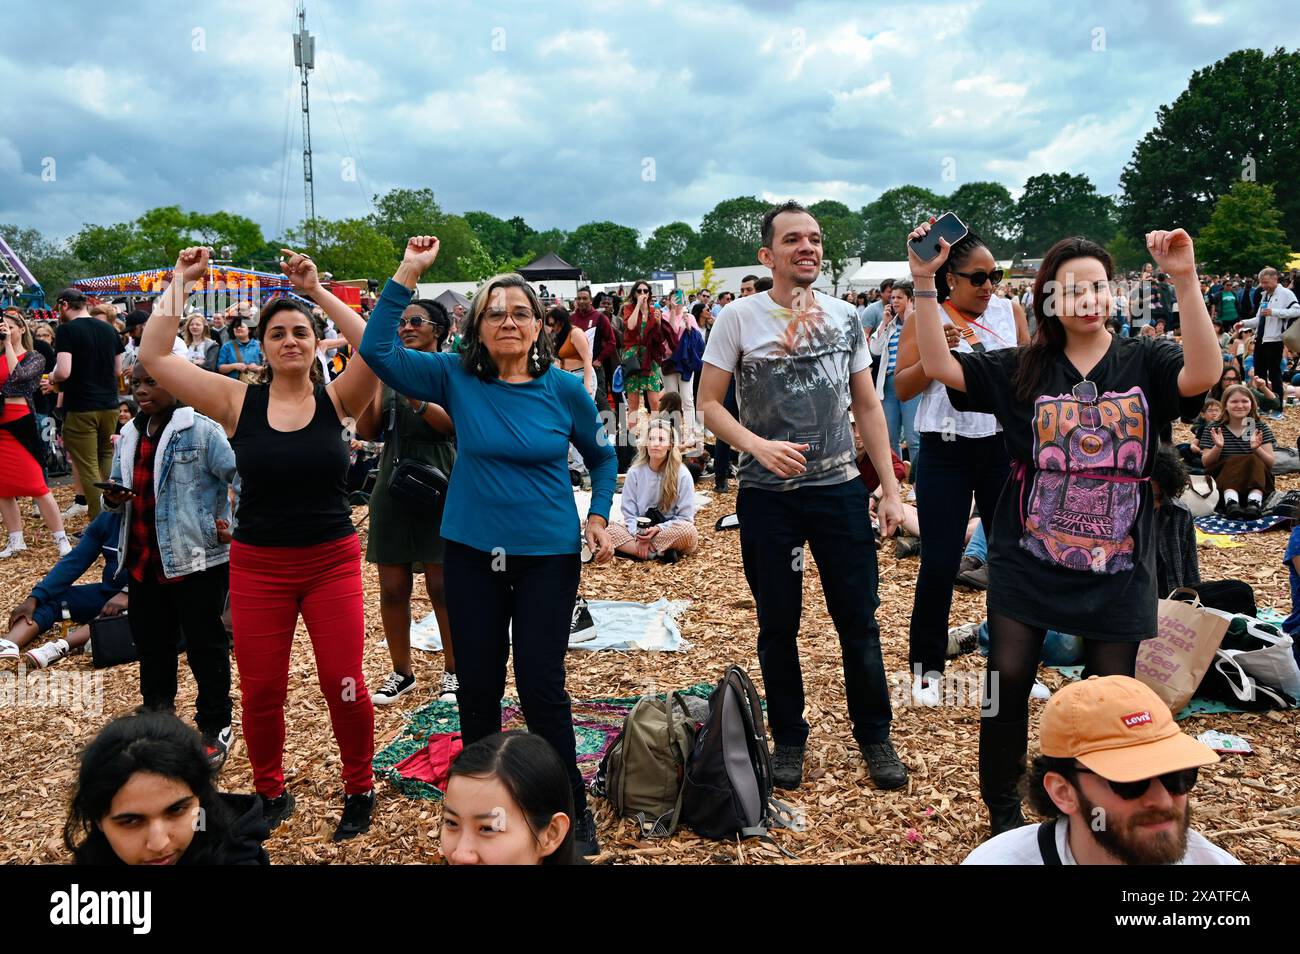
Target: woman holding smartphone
x: 1073, y: 544
x: 643, y: 336
x: 900, y: 413
x: 963, y: 451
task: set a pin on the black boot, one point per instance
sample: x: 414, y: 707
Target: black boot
x: 1002, y: 763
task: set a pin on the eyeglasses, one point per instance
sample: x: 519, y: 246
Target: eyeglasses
x: 415, y: 322
x: 980, y: 277
x: 521, y: 317
x: 1085, y: 392
x: 1175, y: 783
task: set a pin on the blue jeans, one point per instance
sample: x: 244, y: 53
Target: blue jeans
x: 954, y: 470
x: 979, y: 544
x: 1059, y: 649
x: 834, y: 522
x: 900, y: 418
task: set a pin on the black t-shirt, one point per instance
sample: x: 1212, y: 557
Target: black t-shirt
x: 44, y: 403
x: 93, y: 344
x: 1073, y: 545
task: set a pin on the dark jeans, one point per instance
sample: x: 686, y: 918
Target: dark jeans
x: 835, y: 522
x: 494, y: 603
x: 1268, y: 364
x: 159, y: 612
x: 953, y: 470
x: 602, y: 395
x: 722, y: 450
x: 84, y: 600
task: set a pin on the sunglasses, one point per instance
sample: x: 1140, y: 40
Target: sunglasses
x: 980, y: 277
x: 1085, y: 392
x: 1175, y: 783
x: 415, y: 322
x: 642, y: 291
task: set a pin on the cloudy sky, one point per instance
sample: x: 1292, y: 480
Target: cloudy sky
x: 568, y: 112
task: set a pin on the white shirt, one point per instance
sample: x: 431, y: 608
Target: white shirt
x: 1282, y: 307
x: 178, y: 348
x: 1020, y: 847
x: 935, y: 414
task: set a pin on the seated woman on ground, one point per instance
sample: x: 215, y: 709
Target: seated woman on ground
x: 658, y: 500
x: 1238, y: 454
x: 144, y: 795
x: 508, y: 802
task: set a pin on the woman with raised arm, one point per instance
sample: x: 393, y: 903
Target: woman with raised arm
x: 511, y: 564
x: 1073, y: 545
x: 295, y: 548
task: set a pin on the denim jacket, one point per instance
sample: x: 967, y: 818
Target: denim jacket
x: 193, y: 466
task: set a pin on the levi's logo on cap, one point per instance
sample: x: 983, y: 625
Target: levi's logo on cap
x: 1135, y: 719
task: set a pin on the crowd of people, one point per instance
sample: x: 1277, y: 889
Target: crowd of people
x: 1018, y: 432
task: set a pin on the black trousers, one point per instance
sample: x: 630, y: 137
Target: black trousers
x: 159, y: 613
x: 1268, y: 364
x: 499, y: 602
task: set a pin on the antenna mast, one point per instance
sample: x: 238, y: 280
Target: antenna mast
x: 304, y: 57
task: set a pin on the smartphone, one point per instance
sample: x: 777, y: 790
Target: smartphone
x: 115, y: 488
x: 947, y: 227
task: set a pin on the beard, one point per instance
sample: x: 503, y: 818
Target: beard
x: 1126, y: 843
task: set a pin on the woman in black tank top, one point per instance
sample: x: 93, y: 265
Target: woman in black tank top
x: 295, y: 549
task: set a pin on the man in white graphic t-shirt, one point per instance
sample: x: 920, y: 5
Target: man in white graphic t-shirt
x: 800, y: 362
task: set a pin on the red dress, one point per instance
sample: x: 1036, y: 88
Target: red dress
x: 20, y: 470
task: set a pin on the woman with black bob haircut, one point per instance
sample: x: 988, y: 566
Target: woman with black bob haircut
x: 508, y: 802
x: 511, y: 526
x: 1073, y: 547
x: 144, y: 796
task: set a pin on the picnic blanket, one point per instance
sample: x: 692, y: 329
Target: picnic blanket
x: 620, y: 624
x: 1216, y: 524
x: 419, y: 751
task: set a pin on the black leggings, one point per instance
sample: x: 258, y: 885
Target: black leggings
x: 1014, y: 650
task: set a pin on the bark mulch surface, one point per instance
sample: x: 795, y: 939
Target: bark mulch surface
x: 1246, y: 804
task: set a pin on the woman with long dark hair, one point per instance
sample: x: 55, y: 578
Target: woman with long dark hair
x: 643, y: 339
x: 403, y: 535
x: 512, y: 530
x: 295, y: 549
x: 144, y: 795
x: 1073, y: 547
x: 572, y: 349
x: 962, y: 452
x: 508, y: 802
x: 22, y: 451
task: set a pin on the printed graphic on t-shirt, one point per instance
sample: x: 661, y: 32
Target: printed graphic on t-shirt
x: 1087, y: 489
x: 798, y: 390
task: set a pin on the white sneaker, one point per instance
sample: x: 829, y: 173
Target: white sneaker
x: 1040, y: 691
x: 76, y: 510
x: 9, y: 649
x: 450, y: 686
x: 926, y: 695
x: 394, y: 687
x: 43, y: 657
x: 11, y: 550
x: 65, y: 547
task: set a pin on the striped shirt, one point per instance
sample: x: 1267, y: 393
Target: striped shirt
x: 893, y: 347
x: 1234, y: 446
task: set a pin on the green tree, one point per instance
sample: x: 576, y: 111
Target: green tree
x: 1238, y: 119
x: 1055, y: 206
x: 606, y: 251
x: 51, y: 263
x: 220, y: 229
x: 160, y: 234
x: 1244, y: 233
x: 841, y: 234
x: 537, y: 244
x: 1128, y: 255
x: 732, y: 230
x: 104, y: 248
x: 989, y: 211
x: 497, y: 236
x: 886, y: 222
x: 668, y: 247
x: 349, y: 248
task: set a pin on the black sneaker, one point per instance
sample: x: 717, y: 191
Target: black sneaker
x: 906, y: 546
x: 1251, y: 511
x: 886, y: 768
x: 585, y: 844
x: 217, y: 747
x: 395, y: 686
x: 582, y: 628
x: 1234, y: 510
x: 787, y: 766
x: 356, y: 815
x: 276, y: 810
x: 974, y: 579
x: 669, y: 556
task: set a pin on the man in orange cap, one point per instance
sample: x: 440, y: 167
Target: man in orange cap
x: 1112, y: 780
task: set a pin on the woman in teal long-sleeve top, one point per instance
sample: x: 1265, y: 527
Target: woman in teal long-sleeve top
x: 511, y: 568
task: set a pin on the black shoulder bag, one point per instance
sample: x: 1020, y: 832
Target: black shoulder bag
x: 413, y: 482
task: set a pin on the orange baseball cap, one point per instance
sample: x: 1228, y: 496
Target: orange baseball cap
x: 1119, y: 728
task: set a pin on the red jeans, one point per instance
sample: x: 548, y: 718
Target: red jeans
x: 269, y: 587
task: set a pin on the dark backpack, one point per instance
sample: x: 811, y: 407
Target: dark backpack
x: 728, y: 787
